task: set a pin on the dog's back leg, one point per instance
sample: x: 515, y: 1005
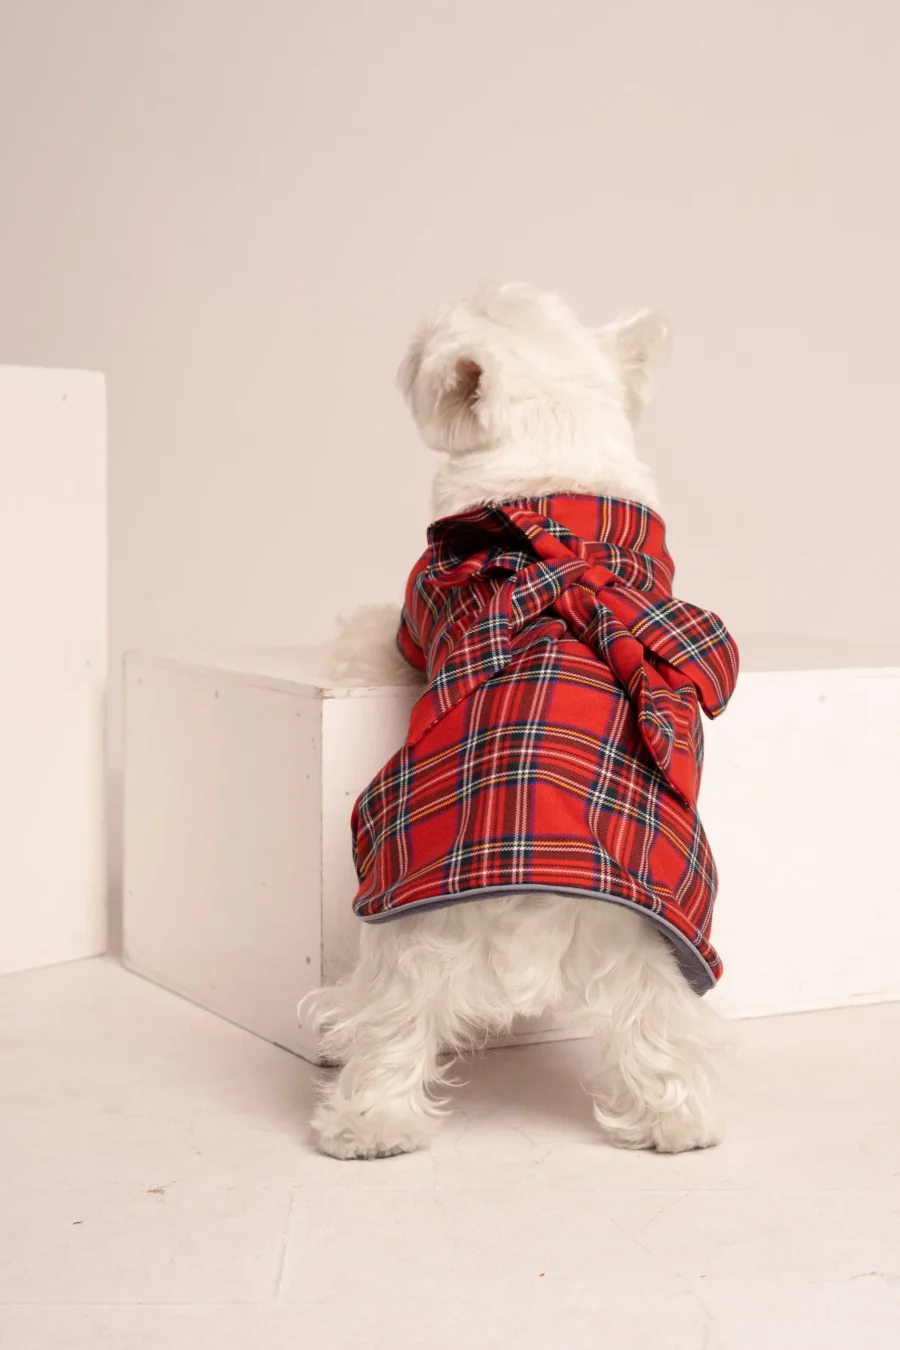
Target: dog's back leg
x: 384, y: 1024
x: 660, y: 1042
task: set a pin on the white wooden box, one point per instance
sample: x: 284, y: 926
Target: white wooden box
x: 53, y: 670
x: 241, y: 771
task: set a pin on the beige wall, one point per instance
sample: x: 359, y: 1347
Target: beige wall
x: 237, y: 208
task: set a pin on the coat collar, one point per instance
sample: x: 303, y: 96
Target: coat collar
x: 628, y: 537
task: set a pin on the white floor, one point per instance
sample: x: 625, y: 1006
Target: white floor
x: 158, y: 1190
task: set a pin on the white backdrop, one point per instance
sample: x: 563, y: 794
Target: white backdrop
x: 237, y: 211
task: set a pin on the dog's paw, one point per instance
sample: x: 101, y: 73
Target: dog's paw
x: 350, y: 1134
x: 679, y: 1131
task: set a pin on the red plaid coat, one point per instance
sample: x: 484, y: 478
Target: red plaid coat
x: 558, y: 743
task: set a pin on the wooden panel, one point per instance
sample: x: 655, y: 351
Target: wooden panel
x: 222, y: 843
x: 53, y: 672
x: 801, y: 802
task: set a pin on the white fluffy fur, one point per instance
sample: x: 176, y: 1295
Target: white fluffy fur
x: 523, y: 400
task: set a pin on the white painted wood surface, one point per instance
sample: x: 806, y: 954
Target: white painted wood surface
x: 53, y: 671
x: 242, y: 768
x: 238, y: 789
x: 223, y: 853
x: 802, y: 806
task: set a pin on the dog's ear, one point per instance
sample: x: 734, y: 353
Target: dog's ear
x: 445, y: 391
x: 460, y: 379
x: 466, y: 384
x: 636, y: 340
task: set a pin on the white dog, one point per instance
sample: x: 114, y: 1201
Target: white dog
x: 525, y: 403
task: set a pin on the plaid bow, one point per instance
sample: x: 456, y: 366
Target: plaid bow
x: 514, y: 565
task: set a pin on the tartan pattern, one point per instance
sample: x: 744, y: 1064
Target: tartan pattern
x: 558, y: 743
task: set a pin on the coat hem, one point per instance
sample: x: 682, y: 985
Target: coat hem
x: 695, y: 968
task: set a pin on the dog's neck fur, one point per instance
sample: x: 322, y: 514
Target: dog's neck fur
x: 606, y: 467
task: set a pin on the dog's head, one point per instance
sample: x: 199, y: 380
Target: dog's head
x: 514, y: 366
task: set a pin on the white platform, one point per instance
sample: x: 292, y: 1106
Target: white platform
x: 242, y: 768
x: 53, y: 669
